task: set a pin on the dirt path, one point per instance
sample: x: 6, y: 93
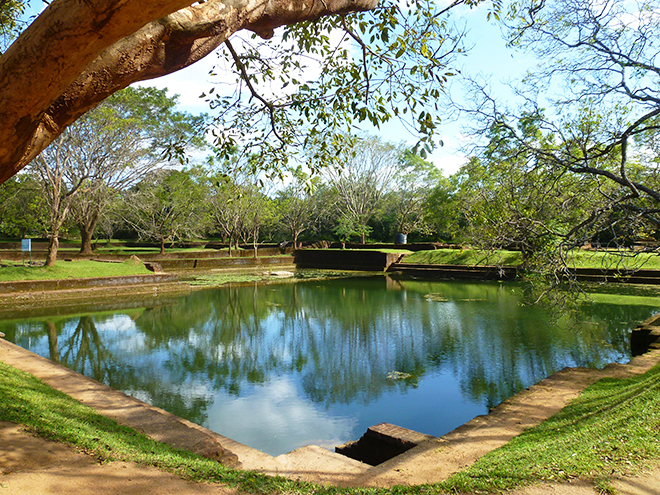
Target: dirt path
x: 35, y: 466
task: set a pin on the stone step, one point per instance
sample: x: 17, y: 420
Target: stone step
x: 318, y: 465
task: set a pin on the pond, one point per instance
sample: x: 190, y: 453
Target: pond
x: 281, y: 366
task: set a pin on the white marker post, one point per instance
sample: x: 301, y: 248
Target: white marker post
x: 26, y: 245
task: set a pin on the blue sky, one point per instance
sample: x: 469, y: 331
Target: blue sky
x: 488, y: 58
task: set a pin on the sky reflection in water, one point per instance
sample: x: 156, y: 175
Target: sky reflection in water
x: 281, y: 366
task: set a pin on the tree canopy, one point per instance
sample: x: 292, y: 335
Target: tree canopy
x: 582, y: 144
x: 75, y: 54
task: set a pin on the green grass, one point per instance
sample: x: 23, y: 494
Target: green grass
x: 612, y: 428
x: 623, y: 260
x: 71, y: 269
x: 578, y: 258
x: 464, y: 257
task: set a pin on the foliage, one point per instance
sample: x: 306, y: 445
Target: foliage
x: 23, y: 210
x: 108, y: 150
x: 512, y: 198
x: 167, y: 206
x: 346, y: 227
x: 414, y: 181
x: 296, y: 207
x: 239, y: 206
x: 310, y: 87
x: 593, y: 149
x: 10, y: 21
x: 123, y: 139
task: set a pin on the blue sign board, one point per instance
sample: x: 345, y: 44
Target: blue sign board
x: 26, y: 244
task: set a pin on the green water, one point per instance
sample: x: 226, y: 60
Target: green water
x: 281, y: 366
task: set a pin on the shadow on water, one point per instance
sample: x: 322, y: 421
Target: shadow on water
x: 282, y: 366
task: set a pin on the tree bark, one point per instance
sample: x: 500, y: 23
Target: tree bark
x: 86, y: 234
x: 77, y: 53
x: 53, y: 246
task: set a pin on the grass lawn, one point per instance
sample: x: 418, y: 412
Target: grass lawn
x: 615, y: 260
x: 612, y: 428
x: 464, y: 257
x: 71, y: 269
x: 578, y: 258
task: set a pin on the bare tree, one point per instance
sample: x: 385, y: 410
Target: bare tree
x: 167, y: 206
x: 363, y: 177
x: 59, y: 187
x: 598, y: 72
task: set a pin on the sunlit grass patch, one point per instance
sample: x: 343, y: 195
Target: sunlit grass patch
x: 612, y: 428
x: 71, y: 269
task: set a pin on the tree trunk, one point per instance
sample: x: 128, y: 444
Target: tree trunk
x: 53, y: 245
x: 87, y: 226
x: 86, y: 240
x: 364, y: 239
x: 162, y: 246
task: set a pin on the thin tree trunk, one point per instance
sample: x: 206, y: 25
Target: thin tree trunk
x: 53, y: 245
x: 162, y: 246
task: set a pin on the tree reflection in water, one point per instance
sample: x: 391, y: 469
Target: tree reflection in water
x: 365, y: 350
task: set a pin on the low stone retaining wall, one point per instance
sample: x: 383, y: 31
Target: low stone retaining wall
x: 40, y: 255
x: 646, y: 336
x: 345, y: 259
x: 224, y: 263
x: 595, y: 275
x: 455, y: 271
x: 85, y: 283
x: 622, y: 276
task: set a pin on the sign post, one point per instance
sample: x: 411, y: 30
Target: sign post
x: 26, y: 245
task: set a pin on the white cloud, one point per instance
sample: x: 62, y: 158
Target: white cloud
x: 275, y: 419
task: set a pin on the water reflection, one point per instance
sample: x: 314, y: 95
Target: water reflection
x: 282, y: 366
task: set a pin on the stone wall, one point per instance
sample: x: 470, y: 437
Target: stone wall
x: 344, y: 259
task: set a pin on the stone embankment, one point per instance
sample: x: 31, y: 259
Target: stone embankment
x: 30, y: 297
